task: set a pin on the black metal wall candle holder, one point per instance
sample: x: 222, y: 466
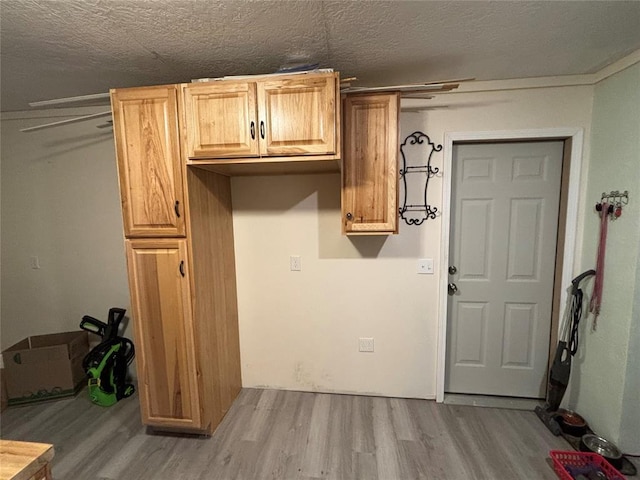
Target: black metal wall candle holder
x: 427, y: 211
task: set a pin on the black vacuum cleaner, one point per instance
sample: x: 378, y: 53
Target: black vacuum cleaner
x: 106, y: 364
x: 561, y: 366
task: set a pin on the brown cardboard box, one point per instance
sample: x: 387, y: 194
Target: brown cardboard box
x: 45, y: 367
x: 4, y: 401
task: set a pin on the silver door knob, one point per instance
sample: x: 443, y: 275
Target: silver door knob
x: 452, y: 288
x: 453, y: 270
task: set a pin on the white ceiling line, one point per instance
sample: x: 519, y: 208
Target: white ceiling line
x: 62, y: 101
x: 64, y: 122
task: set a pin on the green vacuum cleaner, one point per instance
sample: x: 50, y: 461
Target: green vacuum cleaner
x: 106, y: 364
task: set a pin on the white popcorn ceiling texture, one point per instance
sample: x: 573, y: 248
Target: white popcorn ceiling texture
x: 61, y: 48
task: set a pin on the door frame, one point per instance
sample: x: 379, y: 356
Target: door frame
x: 576, y: 137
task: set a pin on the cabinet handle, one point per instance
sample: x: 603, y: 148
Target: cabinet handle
x: 176, y: 207
x: 253, y: 130
x: 182, y: 267
x: 262, y: 129
x: 349, y: 216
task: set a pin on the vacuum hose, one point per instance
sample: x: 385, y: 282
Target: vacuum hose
x: 576, y: 309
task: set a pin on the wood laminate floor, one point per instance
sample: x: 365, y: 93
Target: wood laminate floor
x: 273, y: 434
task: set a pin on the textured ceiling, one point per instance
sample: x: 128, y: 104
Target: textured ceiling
x: 61, y: 48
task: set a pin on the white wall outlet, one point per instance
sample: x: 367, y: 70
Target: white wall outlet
x: 295, y: 263
x: 35, y: 262
x: 425, y: 266
x: 365, y: 344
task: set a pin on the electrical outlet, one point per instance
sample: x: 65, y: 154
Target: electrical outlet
x: 295, y: 263
x: 425, y: 266
x: 35, y: 262
x: 365, y: 344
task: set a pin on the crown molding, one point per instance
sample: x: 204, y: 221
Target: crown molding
x: 546, y: 82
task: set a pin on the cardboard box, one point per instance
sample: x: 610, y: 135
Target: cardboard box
x: 45, y: 367
x: 4, y: 400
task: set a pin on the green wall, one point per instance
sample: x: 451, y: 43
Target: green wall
x: 606, y: 377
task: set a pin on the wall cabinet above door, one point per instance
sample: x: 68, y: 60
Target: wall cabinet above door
x: 148, y: 153
x: 283, y: 116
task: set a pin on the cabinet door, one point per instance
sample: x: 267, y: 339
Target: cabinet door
x: 164, y: 334
x: 297, y: 115
x: 145, y: 124
x: 220, y: 119
x: 370, y: 164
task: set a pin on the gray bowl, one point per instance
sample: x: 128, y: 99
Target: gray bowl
x: 593, y: 443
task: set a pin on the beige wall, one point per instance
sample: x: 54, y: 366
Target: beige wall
x: 59, y: 203
x: 606, y: 377
x: 299, y: 330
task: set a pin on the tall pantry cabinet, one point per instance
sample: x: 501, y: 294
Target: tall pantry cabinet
x: 179, y: 243
x: 176, y: 147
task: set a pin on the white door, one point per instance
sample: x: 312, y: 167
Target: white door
x: 504, y: 220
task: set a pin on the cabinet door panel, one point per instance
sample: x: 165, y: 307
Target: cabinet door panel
x: 149, y: 167
x: 370, y: 165
x: 298, y: 115
x: 221, y: 120
x: 165, y: 346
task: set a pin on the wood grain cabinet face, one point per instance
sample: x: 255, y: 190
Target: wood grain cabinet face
x: 221, y: 120
x: 164, y: 333
x: 279, y: 117
x: 298, y: 116
x: 370, y: 164
x: 148, y: 153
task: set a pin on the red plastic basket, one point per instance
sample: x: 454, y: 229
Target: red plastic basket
x: 581, y: 459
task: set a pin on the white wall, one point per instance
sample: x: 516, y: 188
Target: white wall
x: 60, y: 202
x: 606, y: 379
x: 299, y: 330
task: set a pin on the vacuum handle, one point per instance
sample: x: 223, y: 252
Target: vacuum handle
x: 112, y: 315
x: 114, y: 322
x: 576, y: 281
x: 93, y: 325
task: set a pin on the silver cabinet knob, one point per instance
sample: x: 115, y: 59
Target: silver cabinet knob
x: 349, y: 216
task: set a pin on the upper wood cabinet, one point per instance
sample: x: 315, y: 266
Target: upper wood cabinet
x: 221, y: 119
x: 297, y: 115
x: 148, y: 154
x: 370, y: 164
x: 164, y: 333
x: 293, y: 115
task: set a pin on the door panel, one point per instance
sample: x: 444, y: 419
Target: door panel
x: 220, y: 120
x: 475, y: 257
x: 470, y: 334
x: 525, y: 242
x: 149, y: 167
x: 164, y: 332
x: 503, y: 243
x: 298, y: 115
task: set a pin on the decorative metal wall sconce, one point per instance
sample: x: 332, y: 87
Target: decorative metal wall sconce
x: 424, y: 210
